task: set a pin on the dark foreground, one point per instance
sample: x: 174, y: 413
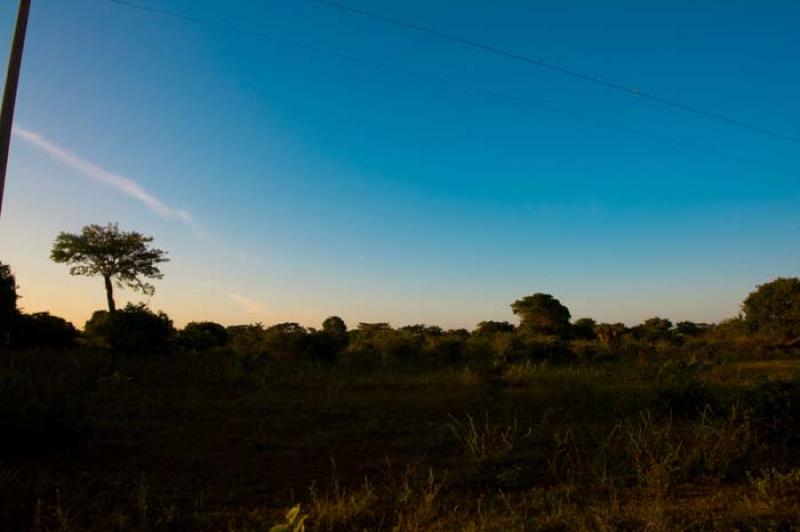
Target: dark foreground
x: 204, y: 442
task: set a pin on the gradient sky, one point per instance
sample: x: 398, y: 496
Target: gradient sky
x: 289, y: 186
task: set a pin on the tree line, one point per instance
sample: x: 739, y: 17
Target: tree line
x: 769, y: 321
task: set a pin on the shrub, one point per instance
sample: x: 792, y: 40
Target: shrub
x: 584, y: 329
x: 590, y: 351
x: 444, y: 349
x: 134, y: 330
x: 377, y: 343
x: 203, y: 335
x: 774, y: 409
x: 490, y: 328
x: 481, y: 354
x: 42, y: 330
x: 680, y: 390
x: 548, y: 348
x: 398, y: 348
x: 324, y: 347
x: 247, y: 341
x: 285, y: 340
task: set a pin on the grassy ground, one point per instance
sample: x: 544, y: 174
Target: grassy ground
x: 203, y: 442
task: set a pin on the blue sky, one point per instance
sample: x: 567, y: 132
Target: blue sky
x: 317, y: 186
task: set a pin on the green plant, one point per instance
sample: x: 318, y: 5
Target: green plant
x: 294, y: 521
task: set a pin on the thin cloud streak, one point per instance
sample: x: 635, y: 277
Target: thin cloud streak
x: 248, y: 304
x: 99, y: 174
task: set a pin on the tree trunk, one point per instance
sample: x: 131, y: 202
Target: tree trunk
x: 110, y: 294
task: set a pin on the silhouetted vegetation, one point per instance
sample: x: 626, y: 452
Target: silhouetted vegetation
x: 42, y: 330
x: 201, y: 336
x: 548, y: 424
x: 8, y: 303
x: 133, y: 331
x: 119, y: 257
x: 773, y: 311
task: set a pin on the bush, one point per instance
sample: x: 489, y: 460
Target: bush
x: 481, y: 355
x: 398, y: 348
x: 378, y: 344
x: 590, y: 351
x: 324, y: 347
x: 774, y: 409
x: 680, y: 390
x: 42, y: 330
x: 444, y: 350
x: 548, y: 348
x: 135, y: 330
x: 201, y: 336
x: 247, y: 341
x: 285, y: 341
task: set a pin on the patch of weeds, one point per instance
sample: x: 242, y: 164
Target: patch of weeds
x: 342, y: 508
x: 484, y: 441
x: 771, y: 485
x: 714, y: 445
x: 654, y: 452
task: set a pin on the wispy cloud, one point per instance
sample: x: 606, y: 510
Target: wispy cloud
x: 97, y: 173
x: 248, y: 304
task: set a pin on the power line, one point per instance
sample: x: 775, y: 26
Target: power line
x: 562, y: 70
x: 278, y: 41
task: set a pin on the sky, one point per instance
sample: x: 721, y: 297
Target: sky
x: 289, y: 185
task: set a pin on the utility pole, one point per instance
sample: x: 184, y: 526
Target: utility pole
x: 10, y: 94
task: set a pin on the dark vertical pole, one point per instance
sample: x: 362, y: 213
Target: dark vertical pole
x: 10, y: 94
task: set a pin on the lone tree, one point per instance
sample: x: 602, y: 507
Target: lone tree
x: 119, y: 257
x: 542, y: 314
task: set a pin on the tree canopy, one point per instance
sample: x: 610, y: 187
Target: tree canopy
x: 773, y: 309
x: 490, y: 327
x: 119, y: 257
x: 584, y: 329
x: 334, y: 325
x: 542, y: 314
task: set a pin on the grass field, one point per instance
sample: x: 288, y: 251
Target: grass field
x: 203, y: 443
